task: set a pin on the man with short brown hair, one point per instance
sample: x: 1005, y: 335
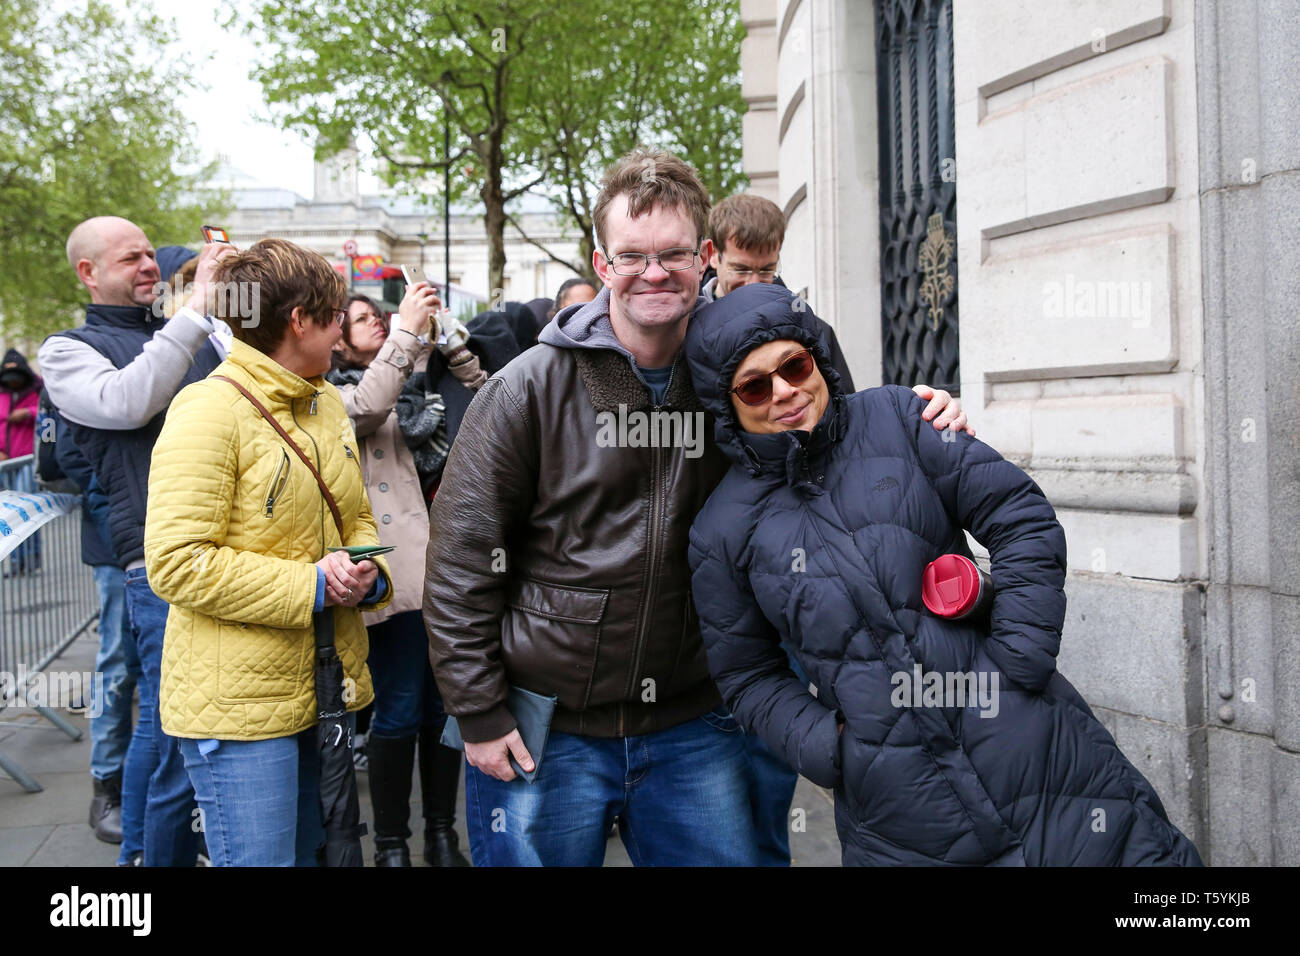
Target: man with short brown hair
x: 748, y: 232
x: 556, y: 564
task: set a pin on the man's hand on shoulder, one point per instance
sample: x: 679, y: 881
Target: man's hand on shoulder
x: 493, y: 756
x: 946, y: 407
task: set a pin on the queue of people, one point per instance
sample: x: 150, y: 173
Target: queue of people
x: 616, y: 628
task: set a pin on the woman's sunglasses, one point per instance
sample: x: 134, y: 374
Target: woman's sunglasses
x: 794, y: 370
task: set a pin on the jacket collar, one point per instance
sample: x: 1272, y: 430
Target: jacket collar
x: 611, y: 381
x: 274, y: 380
x: 794, y: 455
x: 122, y: 316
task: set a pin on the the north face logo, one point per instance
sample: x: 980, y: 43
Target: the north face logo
x: 884, y: 484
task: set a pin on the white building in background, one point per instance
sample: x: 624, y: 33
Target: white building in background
x: 400, y: 229
x: 1120, y: 182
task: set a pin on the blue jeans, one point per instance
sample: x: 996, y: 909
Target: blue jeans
x: 771, y: 789
x: 681, y: 795
x: 260, y: 798
x: 167, y: 815
x: 406, y: 696
x: 119, y: 669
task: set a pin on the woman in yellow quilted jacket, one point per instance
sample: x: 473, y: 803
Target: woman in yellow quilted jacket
x: 236, y: 539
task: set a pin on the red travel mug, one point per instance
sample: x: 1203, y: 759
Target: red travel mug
x: 954, y: 587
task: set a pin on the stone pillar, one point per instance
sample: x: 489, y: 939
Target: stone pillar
x: 827, y: 148
x: 758, y: 87
x: 1247, y: 71
x: 336, y: 178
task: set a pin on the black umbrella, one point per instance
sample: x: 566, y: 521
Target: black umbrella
x: 340, y: 806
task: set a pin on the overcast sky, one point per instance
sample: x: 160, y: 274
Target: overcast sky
x: 233, y: 113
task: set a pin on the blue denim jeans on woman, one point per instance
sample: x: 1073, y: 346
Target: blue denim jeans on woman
x: 116, y: 662
x: 681, y: 796
x: 154, y: 768
x: 260, y: 799
x: 406, y: 696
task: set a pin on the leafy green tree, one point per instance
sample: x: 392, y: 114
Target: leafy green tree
x: 541, y: 96
x: 667, y: 76
x: 397, y: 72
x: 90, y: 124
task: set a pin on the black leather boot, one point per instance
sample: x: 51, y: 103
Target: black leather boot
x: 106, y: 809
x: 391, y: 761
x: 440, y: 784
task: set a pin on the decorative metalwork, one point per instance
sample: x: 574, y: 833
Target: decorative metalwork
x: 936, y: 253
x: 918, y: 192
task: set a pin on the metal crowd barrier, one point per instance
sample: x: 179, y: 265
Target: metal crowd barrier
x: 47, y: 596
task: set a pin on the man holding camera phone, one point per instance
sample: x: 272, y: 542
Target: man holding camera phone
x: 112, y: 380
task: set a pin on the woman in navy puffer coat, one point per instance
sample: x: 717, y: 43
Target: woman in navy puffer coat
x: 816, y: 540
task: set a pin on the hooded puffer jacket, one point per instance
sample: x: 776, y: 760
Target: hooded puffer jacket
x: 818, y: 541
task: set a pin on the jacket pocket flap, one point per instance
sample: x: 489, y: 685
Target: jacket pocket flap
x: 559, y: 602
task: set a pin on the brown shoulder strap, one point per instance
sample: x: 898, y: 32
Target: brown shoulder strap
x: 324, y: 489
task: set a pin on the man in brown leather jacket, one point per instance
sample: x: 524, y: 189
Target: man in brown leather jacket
x: 557, y: 564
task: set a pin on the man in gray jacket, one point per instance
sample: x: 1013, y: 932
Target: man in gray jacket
x: 112, y: 380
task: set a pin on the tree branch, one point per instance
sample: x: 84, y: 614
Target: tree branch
x: 423, y: 164
x: 533, y: 242
x: 514, y: 193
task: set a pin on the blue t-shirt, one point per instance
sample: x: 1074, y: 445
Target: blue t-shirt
x: 657, y: 379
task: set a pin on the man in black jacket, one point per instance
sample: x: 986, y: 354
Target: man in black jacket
x: 112, y: 380
x: 111, y: 719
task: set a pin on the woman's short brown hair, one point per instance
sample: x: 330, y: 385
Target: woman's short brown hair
x: 256, y: 291
x: 652, y: 178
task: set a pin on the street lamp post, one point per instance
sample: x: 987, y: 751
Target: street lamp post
x: 446, y: 208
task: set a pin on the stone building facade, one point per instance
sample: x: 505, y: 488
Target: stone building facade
x: 1127, y: 231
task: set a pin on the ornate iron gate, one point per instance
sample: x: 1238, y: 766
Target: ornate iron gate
x: 918, y: 192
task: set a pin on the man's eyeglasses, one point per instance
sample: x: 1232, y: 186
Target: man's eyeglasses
x: 635, y: 263
x: 744, y: 272
x: 795, y: 370
x: 340, y: 315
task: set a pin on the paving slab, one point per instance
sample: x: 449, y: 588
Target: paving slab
x: 19, y: 844
x: 74, y: 844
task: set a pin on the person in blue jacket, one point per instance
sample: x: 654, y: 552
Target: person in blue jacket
x: 952, y: 742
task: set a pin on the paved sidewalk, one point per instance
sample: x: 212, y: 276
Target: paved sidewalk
x: 50, y: 828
